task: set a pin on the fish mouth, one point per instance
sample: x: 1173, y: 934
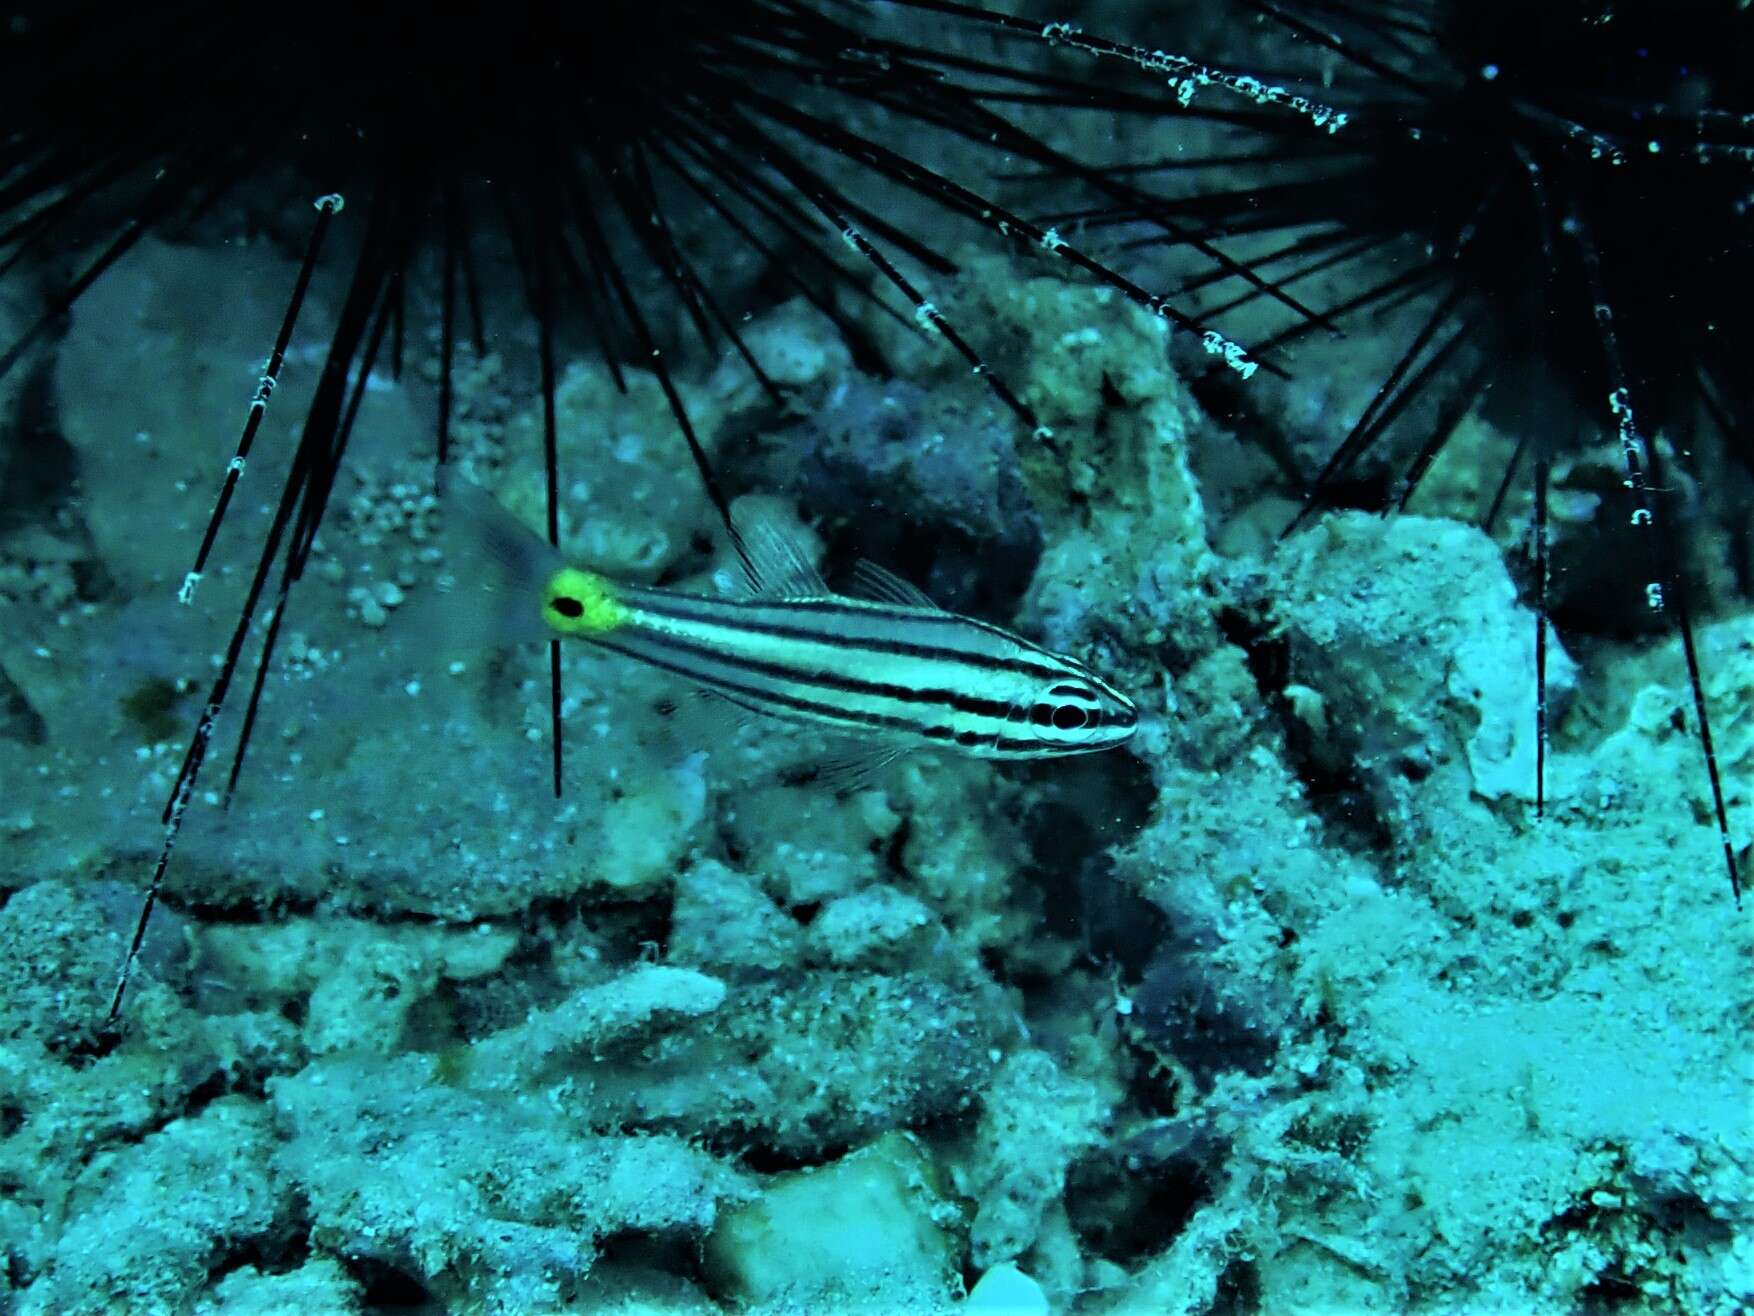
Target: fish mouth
x: 1125, y: 721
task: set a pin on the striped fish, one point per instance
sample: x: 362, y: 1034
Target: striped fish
x: 887, y: 667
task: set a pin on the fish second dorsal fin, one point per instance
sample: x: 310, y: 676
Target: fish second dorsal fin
x: 880, y: 585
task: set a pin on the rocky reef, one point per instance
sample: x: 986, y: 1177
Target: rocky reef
x: 1294, y: 1004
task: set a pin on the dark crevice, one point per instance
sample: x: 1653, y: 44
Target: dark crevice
x: 38, y: 467
x: 18, y: 720
x: 243, y: 913
x: 1080, y: 812
x: 1126, y: 1214
x: 1239, y: 1290
x: 1335, y: 788
x: 761, y: 1159
x: 895, y: 849
x: 389, y: 1289
x: 279, y: 1253
x: 634, y: 930
x: 670, y: 1253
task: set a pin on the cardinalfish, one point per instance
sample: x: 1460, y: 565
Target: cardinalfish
x: 884, y: 666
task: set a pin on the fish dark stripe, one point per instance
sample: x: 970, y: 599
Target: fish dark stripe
x: 1002, y: 745
x: 833, y: 681
x: 666, y: 606
x: 1037, y: 748
x: 948, y: 735
x: 763, y: 703
x: 759, y: 700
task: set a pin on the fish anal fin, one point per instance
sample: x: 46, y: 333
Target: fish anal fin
x: 880, y: 585
x: 847, y: 771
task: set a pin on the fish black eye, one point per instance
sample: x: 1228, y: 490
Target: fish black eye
x: 567, y: 607
x: 1061, y: 717
x: 1069, y: 717
x: 1069, y: 708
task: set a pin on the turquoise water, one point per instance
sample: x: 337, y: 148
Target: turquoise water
x: 1295, y: 1003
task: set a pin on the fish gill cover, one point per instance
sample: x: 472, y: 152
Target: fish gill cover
x: 1389, y: 967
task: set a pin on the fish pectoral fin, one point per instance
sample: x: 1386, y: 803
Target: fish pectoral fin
x: 880, y: 585
x: 776, y: 565
x: 847, y: 771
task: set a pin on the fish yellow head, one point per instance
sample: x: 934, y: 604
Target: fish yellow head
x: 580, y: 602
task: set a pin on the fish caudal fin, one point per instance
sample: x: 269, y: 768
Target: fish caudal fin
x: 493, y: 581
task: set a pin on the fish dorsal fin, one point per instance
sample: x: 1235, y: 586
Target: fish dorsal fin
x: 880, y: 585
x: 775, y: 564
